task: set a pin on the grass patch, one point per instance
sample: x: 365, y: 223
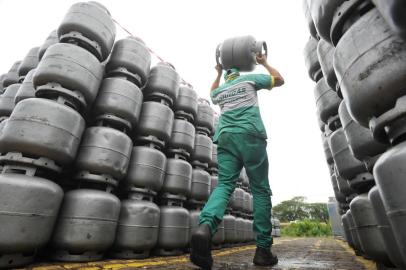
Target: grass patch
x: 306, y: 228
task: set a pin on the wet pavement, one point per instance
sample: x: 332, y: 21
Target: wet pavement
x: 293, y: 253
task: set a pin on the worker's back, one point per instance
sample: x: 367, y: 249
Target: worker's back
x: 238, y: 101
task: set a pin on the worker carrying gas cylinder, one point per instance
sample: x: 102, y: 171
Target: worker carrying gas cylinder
x: 241, y: 139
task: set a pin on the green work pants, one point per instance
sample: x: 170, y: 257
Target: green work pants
x: 236, y: 150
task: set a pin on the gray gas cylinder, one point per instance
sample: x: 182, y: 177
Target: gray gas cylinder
x: 390, y: 174
x: 354, y: 233
x: 3, y: 122
x: 48, y: 129
x: 30, y: 61
x: 80, y: 27
x: 205, y: 118
x: 246, y: 202
x: 239, y: 225
x: 213, y: 182
x: 85, y: 233
x: 360, y: 139
x: 239, y: 52
x: 137, y: 230
x: 118, y: 98
x: 347, y: 165
x: 2, y: 78
x: 252, y: 233
x: 244, y: 177
x: 68, y: 70
x: 130, y: 58
x: 193, y: 221
x: 246, y: 228
x: 346, y: 16
x: 392, y: 13
x: 146, y: 169
x: 156, y: 120
x: 233, y: 201
x: 214, y: 161
x: 239, y: 199
x: 251, y: 204
x: 26, y: 89
x: 391, y: 246
x: 326, y: 148
x: 103, y: 152
x: 229, y: 229
x: 202, y: 151
x: 200, y: 190
x: 174, y: 227
x: 7, y: 99
x: 12, y: 75
x: 340, y: 197
x: 311, y: 60
x: 371, y: 238
x: 99, y: 5
x: 321, y: 125
x: 186, y: 103
x: 325, y: 52
x: 21, y: 235
x: 344, y: 185
x: 240, y: 178
x: 183, y: 136
x: 322, y: 13
x: 178, y: 177
x: 249, y: 230
x: 163, y: 83
x: 347, y: 232
x: 370, y: 96
x: 220, y: 235
x: 51, y: 40
x: 327, y: 101
x: 309, y: 19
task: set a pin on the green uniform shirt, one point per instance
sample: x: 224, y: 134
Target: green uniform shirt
x: 238, y: 102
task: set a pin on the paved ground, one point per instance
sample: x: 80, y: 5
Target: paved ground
x: 293, y: 253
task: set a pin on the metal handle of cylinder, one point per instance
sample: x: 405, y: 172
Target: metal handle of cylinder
x: 259, y: 45
x: 378, y: 124
x: 218, y: 54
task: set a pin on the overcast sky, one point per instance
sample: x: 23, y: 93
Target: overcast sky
x: 186, y: 33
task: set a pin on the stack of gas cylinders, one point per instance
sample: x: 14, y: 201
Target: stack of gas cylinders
x: 103, y: 156
x: 356, y: 55
x: 276, y: 227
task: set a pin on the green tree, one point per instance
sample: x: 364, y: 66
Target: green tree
x: 298, y: 209
x: 290, y: 210
x: 318, y: 212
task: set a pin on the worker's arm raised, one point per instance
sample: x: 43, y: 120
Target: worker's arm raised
x: 277, y: 77
x: 216, y: 83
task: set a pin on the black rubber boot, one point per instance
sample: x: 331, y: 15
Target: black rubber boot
x: 264, y: 257
x: 200, y: 247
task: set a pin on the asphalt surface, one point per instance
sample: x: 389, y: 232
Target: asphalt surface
x: 293, y: 253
